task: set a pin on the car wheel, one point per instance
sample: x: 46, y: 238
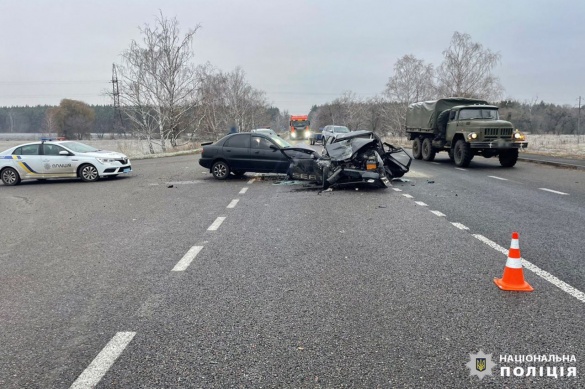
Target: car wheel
x: 416, y: 149
x: 427, y: 151
x: 10, y: 177
x: 462, y: 153
x: 88, y: 173
x: 220, y: 170
x: 508, y: 158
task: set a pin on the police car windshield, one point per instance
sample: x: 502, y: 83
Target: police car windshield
x: 79, y: 147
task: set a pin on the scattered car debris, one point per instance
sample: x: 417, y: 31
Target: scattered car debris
x: 430, y: 182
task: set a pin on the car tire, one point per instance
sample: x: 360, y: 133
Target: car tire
x: 220, y: 170
x: 10, y: 177
x: 508, y: 158
x: 88, y: 173
x: 417, y: 149
x: 462, y: 155
x: 427, y: 151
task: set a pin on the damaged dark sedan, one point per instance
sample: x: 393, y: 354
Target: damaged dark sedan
x: 358, y: 157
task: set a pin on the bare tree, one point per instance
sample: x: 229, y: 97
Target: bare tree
x: 466, y: 70
x: 157, y: 81
x: 412, y: 81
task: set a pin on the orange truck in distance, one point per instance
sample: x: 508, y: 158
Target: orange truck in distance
x: 299, y: 127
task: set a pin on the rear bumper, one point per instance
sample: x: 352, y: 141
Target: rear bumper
x: 206, y: 163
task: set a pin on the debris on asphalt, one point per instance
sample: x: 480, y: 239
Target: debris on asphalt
x: 382, y: 206
x: 430, y: 182
x: 170, y: 186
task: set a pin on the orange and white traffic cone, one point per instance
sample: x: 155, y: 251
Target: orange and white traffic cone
x: 513, y: 278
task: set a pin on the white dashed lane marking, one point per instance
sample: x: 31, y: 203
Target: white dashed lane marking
x: 397, y: 189
x: 244, y: 190
x: 233, y: 203
x: 579, y: 295
x: 216, y: 223
x: 184, y: 263
x: 251, y: 181
x: 554, y: 191
x: 463, y: 170
x: 421, y: 203
x: 408, y: 196
x: 498, y: 178
x: 536, y: 270
x: 103, y: 361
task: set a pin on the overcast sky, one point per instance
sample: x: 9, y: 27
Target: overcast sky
x: 300, y: 52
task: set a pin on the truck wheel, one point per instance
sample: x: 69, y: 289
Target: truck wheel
x: 508, y: 158
x: 451, y: 156
x: 416, y: 149
x: 462, y: 153
x: 427, y: 152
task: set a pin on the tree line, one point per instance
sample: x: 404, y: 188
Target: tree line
x: 466, y: 71
x: 165, y: 98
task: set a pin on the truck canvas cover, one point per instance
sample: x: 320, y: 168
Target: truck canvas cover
x: 424, y: 114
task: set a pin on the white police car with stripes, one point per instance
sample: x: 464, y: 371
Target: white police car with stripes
x: 60, y: 159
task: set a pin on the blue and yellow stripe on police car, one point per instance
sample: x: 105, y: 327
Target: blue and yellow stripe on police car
x: 23, y: 165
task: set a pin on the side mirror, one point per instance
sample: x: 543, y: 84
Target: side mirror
x: 63, y: 152
x: 273, y: 147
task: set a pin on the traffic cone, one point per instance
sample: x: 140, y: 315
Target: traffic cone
x: 513, y: 278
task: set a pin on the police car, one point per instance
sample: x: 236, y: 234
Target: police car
x: 60, y: 159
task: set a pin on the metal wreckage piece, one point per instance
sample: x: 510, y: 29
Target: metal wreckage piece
x: 359, y: 157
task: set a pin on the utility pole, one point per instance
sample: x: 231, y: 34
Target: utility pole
x: 579, y: 118
x: 116, y: 95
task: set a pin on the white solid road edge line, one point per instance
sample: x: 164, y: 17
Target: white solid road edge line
x: 233, y: 203
x: 244, y: 190
x: 90, y: 377
x: 536, y: 270
x: 215, y: 225
x: 187, y: 258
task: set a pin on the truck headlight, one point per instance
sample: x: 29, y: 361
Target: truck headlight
x: 293, y: 134
x: 472, y: 135
x: 519, y: 136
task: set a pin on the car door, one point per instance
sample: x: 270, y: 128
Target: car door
x: 55, y: 163
x: 236, y: 151
x: 28, y: 160
x: 265, y: 158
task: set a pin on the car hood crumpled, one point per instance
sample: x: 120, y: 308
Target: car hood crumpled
x: 346, y: 149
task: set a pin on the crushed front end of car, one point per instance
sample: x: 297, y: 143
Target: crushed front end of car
x: 359, y: 157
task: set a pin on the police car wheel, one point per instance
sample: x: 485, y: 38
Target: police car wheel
x: 88, y: 173
x: 10, y: 176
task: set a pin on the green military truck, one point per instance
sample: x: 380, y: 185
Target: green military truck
x: 464, y: 128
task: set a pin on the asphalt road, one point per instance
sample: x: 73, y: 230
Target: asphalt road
x: 296, y: 287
